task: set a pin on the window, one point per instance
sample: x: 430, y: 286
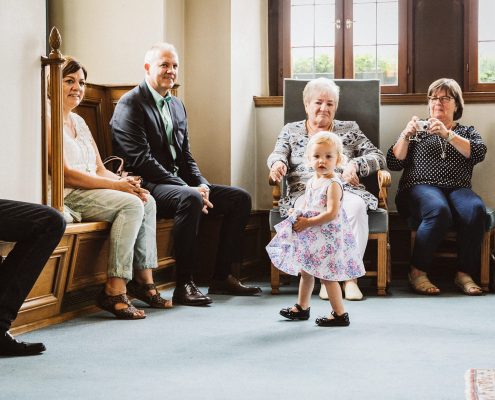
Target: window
x: 407, y: 44
x: 345, y: 39
x: 482, y: 46
x: 486, y: 42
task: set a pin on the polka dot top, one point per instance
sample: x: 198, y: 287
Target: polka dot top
x: 425, y: 164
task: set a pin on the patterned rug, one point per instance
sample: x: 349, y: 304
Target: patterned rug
x: 480, y: 384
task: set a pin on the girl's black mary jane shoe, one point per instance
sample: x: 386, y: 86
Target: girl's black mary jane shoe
x: 337, y: 320
x: 300, y: 314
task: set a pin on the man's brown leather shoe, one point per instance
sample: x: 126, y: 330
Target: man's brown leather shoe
x: 234, y: 287
x: 188, y: 294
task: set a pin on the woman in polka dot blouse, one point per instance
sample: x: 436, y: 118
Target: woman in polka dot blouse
x: 438, y: 156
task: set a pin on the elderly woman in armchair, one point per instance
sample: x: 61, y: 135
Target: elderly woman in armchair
x: 321, y: 98
x: 437, y: 157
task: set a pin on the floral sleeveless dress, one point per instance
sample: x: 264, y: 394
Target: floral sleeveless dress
x: 327, y: 251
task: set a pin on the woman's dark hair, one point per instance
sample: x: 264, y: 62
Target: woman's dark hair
x: 453, y: 89
x: 71, y: 65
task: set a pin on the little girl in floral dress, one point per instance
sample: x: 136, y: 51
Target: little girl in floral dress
x: 317, y: 240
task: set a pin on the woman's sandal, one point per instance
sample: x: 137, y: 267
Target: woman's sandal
x: 300, y: 314
x: 141, y: 292
x: 466, y: 284
x: 422, y: 285
x: 108, y: 303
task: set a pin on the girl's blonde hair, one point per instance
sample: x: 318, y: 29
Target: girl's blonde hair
x: 328, y: 138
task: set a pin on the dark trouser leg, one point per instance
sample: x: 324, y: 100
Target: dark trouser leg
x: 184, y: 205
x: 37, y: 230
x: 429, y: 205
x: 469, y: 212
x: 235, y: 206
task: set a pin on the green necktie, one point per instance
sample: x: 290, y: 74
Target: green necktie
x: 167, y: 120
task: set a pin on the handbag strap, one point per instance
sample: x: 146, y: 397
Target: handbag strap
x: 120, y: 169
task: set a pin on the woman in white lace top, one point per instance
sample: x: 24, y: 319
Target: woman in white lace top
x: 98, y: 194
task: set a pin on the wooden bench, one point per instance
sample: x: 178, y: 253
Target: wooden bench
x: 77, y: 269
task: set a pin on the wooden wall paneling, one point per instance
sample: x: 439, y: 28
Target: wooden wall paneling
x: 438, y: 42
x: 45, y: 299
x: 164, y: 243
x: 92, y: 110
x: 88, y: 265
x: 255, y: 260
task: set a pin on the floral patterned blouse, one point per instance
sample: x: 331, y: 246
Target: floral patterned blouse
x: 290, y: 149
x: 433, y: 161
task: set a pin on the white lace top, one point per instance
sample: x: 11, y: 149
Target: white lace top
x: 79, y: 152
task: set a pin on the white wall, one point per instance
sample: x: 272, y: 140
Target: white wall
x: 22, y: 40
x: 248, y: 78
x: 207, y: 76
x: 110, y: 37
x: 175, y: 33
x: 393, y: 119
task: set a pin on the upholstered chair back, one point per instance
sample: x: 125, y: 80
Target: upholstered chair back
x: 359, y: 101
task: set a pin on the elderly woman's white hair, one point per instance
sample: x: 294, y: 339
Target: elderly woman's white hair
x: 320, y: 85
x: 160, y: 46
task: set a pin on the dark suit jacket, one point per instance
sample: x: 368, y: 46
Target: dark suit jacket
x: 139, y: 138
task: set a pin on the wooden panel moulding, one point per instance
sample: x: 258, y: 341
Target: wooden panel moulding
x: 164, y: 242
x: 88, y: 266
x: 45, y: 299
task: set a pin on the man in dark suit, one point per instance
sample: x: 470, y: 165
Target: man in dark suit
x: 150, y: 132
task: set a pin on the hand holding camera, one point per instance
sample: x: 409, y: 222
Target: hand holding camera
x: 422, y: 125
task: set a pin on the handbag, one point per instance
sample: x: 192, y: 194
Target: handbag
x: 116, y: 165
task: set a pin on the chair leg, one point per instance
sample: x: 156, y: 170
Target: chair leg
x: 381, y: 266
x: 485, y: 262
x: 275, y: 279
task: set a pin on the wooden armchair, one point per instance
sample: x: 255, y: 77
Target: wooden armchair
x: 359, y: 101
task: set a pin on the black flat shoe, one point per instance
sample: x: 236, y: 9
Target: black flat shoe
x: 9, y: 346
x: 300, y: 314
x: 233, y: 287
x: 188, y: 294
x: 337, y: 320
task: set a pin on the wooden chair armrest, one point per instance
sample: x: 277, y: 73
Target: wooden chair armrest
x: 276, y: 192
x: 384, y: 182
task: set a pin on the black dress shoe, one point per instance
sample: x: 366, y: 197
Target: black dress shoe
x: 300, y: 314
x: 234, y: 287
x: 189, y: 295
x: 9, y: 346
x: 337, y: 320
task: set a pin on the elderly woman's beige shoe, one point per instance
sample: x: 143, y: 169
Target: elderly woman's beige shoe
x: 467, y: 285
x: 352, y: 291
x: 323, y: 292
x: 422, y: 285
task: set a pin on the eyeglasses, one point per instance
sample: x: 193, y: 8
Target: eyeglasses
x: 443, y: 99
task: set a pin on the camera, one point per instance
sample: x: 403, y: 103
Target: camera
x: 422, y: 125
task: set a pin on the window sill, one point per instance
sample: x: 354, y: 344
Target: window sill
x: 388, y: 99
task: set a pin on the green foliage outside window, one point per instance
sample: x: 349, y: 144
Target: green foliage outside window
x: 487, y: 70
x: 364, y: 67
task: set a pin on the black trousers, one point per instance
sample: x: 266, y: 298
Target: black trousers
x: 37, y: 230
x: 184, y: 205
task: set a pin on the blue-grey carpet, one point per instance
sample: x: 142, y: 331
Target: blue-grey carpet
x: 399, y: 347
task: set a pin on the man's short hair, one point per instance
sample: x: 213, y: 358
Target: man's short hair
x: 160, y: 46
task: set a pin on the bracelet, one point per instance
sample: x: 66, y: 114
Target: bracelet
x: 450, y: 137
x: 404, y: 136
